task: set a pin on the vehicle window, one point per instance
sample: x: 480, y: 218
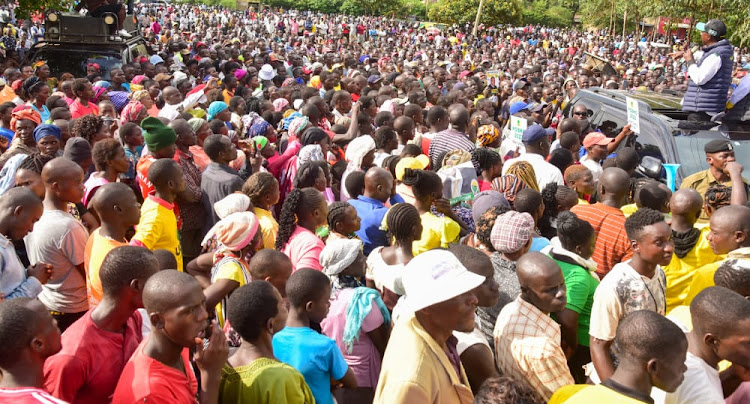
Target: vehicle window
x: 590, y: 104
x: 693, y: 159
x: 610, y: 121
x: 75, y: 62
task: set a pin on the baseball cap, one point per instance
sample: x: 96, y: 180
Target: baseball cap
x: 485, y: 201
x: 162, y: 76
x: 519, y: 84
x: 434, y: 277
x: 374, y: 79
x: 415, y: 163
x: 536, y: 132
x: 596, y: 138
x: 715, y: 28
x: 535, y: 107
x: 718, y: 145
x: 517, y: 107
x: 155, y: 60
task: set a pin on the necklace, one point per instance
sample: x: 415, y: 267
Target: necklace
x: 661, y: 288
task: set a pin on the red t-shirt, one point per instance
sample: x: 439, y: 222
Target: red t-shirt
x: 27, y: 395
x: 145, y: 379
x: 78, y: 110
x: 147, y: 188
x: 87, y: 368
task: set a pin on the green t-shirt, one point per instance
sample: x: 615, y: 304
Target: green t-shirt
x: 581, y: 286
x: 264, y: 381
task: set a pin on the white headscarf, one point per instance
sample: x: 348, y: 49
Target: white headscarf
x: 338, y: 255
x: 358, y: 148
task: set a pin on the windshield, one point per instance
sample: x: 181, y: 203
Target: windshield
x: 75, y: 62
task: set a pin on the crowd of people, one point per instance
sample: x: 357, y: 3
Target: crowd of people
x: 291, y: 207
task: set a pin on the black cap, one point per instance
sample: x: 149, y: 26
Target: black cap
x: 718, y: 145
x: 715, y: 28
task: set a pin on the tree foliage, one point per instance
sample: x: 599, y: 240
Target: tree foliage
x: 546, y: 12
x: 464, y: 11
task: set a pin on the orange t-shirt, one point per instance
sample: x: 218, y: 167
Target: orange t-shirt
x: 97, y: 247
x: 612, y: 244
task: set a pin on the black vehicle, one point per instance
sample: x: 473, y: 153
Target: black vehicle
x: 72, y: 41
x: 663, y: 128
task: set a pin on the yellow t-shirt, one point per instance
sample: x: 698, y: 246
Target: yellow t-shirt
x: 268, y: 227
x: 703, y: 277
x: 437, y: 232
x: 628, y: 210
x: 582, y: 201
x: 586, y: 394
x: 680, y: 271
x: 232, y: 270
x: 157, y: 228
x: 97, y: 247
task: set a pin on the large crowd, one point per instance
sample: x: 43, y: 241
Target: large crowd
x: 289, y: 207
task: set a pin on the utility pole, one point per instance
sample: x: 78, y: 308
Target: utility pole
x: 476, y: 21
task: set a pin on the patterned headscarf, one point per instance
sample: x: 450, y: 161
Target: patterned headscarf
x: 24, y: 112
x: 119, y: 99
x: 486, y: 135
x: 258, y: 127
x: 508, y: 185
x: 98, y: 91
x: 455, y: 157
x: 131, y: 112
x: 311, y: 152
x: 525, y: 172
x: 196, y: 124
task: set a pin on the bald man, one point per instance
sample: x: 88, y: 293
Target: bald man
x: 691, y: 247
x: 729, y: 234
x: 453, y: 138
x: 20, y: 208
x: 174, y: 103
x: 160, y: 369
x: 59, y: 239
x: 541, y: 363
x: 371, y: 208
x: 608, y: 221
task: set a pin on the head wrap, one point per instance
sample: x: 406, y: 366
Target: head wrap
x: 196, y: 124
x: 260, y: 142
x: 312, y: 135
x: 119, y: 99
x: 232, y: 203
x: 138, y: 79
x: 315, y: 82
x: 139, y: 95
x: 289, y: 82
x: 258, y: 127
x: 24, y: 112
x: 131, y: 112
x: 239, y: 74
x: 77, y: 149
x: 98, y: 91
x: 311, y: 152
x: 45, y: 130
x: 525, y: 172
x: 237, y: 230
x: 17, y: 85
x: 157, y: 135
x: 455, y: 157
x: 298, y: 126
x: 339, y: 254
x: 511, y: 231
x: 387, y: 106
x: 358, y: 148
x: 279, y: 104
x: 102, y: 84
x: 486, y: 135
x: 508, y: 185
x: 216, y: 108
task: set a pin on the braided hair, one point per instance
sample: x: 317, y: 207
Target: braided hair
x: 336, y: 213
x: 298, y: 201
x: 422, y: 182
x: 307, y: 174
x: 401, y: 220
x: 573, y: 231
x: 484, y: 225
x: 484, y: 159
x: 550, y: 210
x: 35, y: 162
x: 717, y: 196
x: 258, y: 185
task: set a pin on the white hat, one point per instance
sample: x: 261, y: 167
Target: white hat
x: 436, y: 276
x: 155, y: 60
x: 266, y: 72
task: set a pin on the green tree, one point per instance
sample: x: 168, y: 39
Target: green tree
x: 28, y: 7
x: 463, y: 11
x: 371, y: 7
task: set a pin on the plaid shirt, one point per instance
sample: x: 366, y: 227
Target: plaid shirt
x: 192, y: 214
x: 527, y: 346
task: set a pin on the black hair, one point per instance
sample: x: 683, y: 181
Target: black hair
x: 485, y: 159
x: 716, y: 309
x: 336, y: 213
x: 312, y: 135
x: 299, y: 200
x: 258, y: 185
x: 253, y: 105
x: 411, y: 150
x: 364, y: 102
x: 382, y: 117
x: 390, y: 162
x: 35, y: 162
x: 86, y: 126
x: 307, y: 173
x: 652, y: 195
x: 250, y: 307
x: 165, y: 258
x: 382, y: 136
x: 644, y: 335
x: 50, y: 103
x: 401, y: 220
x: 734, y: 274
x: 504, y: 389
x: 265, y: 261
x: 422, y: 182
x: 573, y: 231
x: 436, y: 113
x: 306, y: 285
x: 18, y: 323
x: 213, y: 146
x: 568, y: 139
x: 234, y: 102
x: 4, y: 107
x: 561, y: 158
x: 627, y: 159
x: 355, y: 184
x: 717, y: 196
x: 127, y: 129
x: 483, y: 228
x: 216, y: 125
x: 643, y: 217
x: 472, y: 258
x: 103, y: 151
x: 528, y: 200
x: 58, y: 113
x: 80, y: 85
x: 549, y: 200
x: 123, y: 264
x: 162, y: 171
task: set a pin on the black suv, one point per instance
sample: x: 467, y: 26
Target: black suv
x: 72, y: 41
x: 661, y: 122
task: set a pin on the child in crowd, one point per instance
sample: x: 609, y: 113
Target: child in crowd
x: 132, y: 140
x: 252, y: 373
x: 303, y: 212
x: 271, y: 266
x: 343, y: 221
x: 317, y: 357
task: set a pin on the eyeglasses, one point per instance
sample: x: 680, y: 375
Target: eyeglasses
x: 581, y: 113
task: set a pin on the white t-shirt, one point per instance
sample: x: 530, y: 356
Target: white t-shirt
x: 701, y: 385
x: 595, y: 168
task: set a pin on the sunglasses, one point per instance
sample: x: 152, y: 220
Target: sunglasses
x: 581, y: 113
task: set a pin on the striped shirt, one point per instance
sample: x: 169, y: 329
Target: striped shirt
x: 612, y: 244
x: 27, y: 395
x: 448, y: 140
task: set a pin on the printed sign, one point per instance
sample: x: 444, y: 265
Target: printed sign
x: 633, y: 115
x: 517, y: 126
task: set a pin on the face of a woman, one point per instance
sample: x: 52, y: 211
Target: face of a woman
x: 48, y: 145
x: 43, y: 72
x: 43, y: 93
x: 25, y: 131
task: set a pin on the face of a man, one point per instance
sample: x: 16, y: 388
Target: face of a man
x: 723, y: 235
x: 655, y: 244
x: 719, y: 160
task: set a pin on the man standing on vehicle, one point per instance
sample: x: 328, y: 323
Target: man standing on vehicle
x: 710, y: 77
x: 723, y: 169
x: 97, y: 8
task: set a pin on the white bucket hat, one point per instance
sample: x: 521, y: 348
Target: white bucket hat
x: 266, y: 72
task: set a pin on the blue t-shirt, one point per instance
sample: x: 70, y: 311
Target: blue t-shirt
x: 7, y: 133
x: 372, y: 212
x: 538, y: 243
x: 314, y: 355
